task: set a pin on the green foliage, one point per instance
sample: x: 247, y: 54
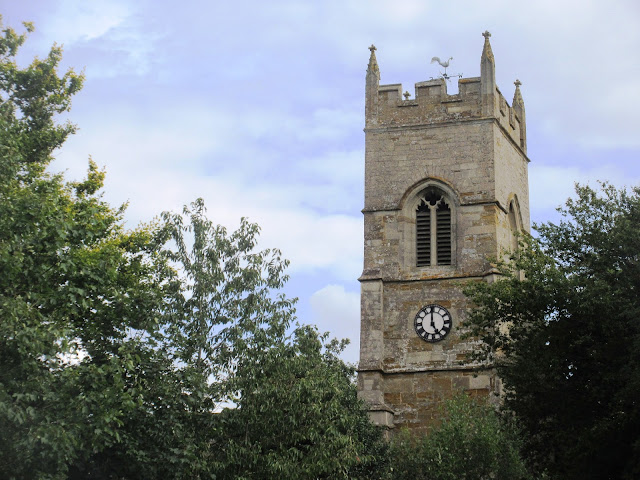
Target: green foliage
x: 298, y: 416
x: 163, y: 352
x: 566, y: 341
x: 289, y: 406
x: 165, y: 435
x: 29, y: 100
x: 76, y: 291
x: 472, y: 442
x: 227, y: 304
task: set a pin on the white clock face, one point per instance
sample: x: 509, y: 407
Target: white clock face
x: 433, y: 323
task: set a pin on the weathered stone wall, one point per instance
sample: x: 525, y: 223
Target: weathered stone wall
x: 399, y: 165
x: 472, y: 146
x: 399, y: 157
x: 417, y: 396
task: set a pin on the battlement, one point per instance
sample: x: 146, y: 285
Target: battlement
x: 477, y: 98
x: 431, y: 104
x: 431, y: 92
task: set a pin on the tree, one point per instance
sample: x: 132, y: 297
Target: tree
x: 143, y: 353
x: 472, y: 442
x: 298, y: 415
x: 288, y: 404
x: 228, y: 302
x: 78, y: 293
x: 566, y: 340
x: 222, y: 308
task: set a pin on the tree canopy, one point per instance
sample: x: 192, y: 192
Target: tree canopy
x: 74, y: 284
x: 472, y: 442
x: 166, y: 351
x: 566, y: 339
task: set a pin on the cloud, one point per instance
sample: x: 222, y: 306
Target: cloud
x: 311, y: 241
x: 161, y: 164
x: 551, y: 185
x: 75, y: 21
x: 108, y: 38
x: 576, y: 59
x: 338, y: 311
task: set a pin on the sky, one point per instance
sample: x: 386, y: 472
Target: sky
x: 258, y: 108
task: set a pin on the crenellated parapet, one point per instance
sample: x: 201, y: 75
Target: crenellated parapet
x: 478, y: 98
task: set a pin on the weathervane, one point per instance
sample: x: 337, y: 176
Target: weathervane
x: 445, y: 64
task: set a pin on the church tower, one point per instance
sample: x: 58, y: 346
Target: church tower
x: 446, y: 190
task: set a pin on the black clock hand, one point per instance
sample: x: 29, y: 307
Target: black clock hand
x: 433, y: 325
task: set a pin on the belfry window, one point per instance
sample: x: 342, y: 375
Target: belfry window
x: 513, y: 228
x: 433, y: 230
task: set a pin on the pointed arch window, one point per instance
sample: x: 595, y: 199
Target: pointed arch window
x: 433, y: 230
x: 513, y: 228
x: 515, y: 224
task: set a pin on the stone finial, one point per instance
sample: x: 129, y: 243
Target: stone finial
x: 372, y: 68
x: 406, y: 95
x: 486, y: 51
x: 488, y: 78
x: 517, y: 96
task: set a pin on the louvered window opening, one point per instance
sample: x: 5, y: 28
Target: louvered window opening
x: 433, y: 231
x: 423, y: 227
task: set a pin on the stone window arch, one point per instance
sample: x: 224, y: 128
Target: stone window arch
x: 515, y: 223
x: 434, y: 229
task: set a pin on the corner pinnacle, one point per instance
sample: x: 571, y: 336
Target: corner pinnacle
x: 372, y: 68
x: 486, y: 51
x: 517, y: 95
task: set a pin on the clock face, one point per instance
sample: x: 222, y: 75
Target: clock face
x: 433, y: 323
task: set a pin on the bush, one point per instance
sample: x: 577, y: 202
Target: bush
x: 472, y: 442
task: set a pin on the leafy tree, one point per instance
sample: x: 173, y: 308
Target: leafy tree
x: 566, y: 340
x: 472, y: 442
x: 77, y: 291
x: 168, y: 433
x: 222, y: 309
x: 114, y: 365
x: 288, y: 404
x: 298, y: 416
x: 228, y: 303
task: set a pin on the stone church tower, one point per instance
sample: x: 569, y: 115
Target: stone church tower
x: 446, y: 189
